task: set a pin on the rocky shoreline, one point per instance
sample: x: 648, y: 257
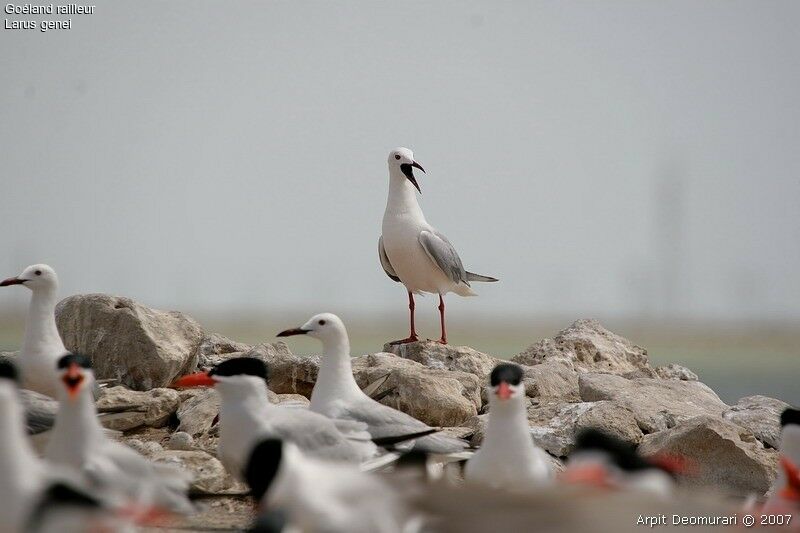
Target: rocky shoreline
x: 584, y: 376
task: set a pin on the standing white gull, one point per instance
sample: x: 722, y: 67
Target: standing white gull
x: 411, y: 251
x: 508, y: 458
x: 337, y: 395
x: 42, y: 345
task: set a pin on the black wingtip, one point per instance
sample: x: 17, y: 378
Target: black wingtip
x: 265, y: 459
x: 790, y: 416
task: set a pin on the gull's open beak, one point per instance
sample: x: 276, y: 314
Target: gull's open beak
x: 198, y: 379
x: 73, y: 379
x: 293, y: 331
x: 12, y: 281
x: 407, y: 170
x: 503, y: 391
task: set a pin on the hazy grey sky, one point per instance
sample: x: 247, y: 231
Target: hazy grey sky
x: 603, y: 158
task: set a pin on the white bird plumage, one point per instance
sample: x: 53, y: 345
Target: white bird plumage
x: 42, y: 345
x: 413, y: 252
x: 508, y: 457
x: 337, y: 395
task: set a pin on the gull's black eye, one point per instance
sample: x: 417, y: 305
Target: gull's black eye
x: 321, y: 322
x: 38, y: 272
x: 396, y: 156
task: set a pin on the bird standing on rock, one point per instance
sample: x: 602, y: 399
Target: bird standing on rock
x: 411, y: 251
x: 42, y: 345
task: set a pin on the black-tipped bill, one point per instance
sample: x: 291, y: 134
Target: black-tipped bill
x: 409, y: 172
x: 12, y: 281
x: 293, y: 331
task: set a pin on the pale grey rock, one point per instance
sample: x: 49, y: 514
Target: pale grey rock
x: 180, y: 440
x: 551, y: 381
x: 129, y: 409
x: 446, y: 357
x: 761, y: 415
x: 723, y: 455
x: 436, y: 397
x: 143, y: 348
x: 589, y: 347
x: 147, y: 448
x: 288, y: 373
x: 209, y: 475
x: 676, y: 371
x: 215, y: 348
x: 613, y: 419
x: 197, y: 413
x: 657, y: 404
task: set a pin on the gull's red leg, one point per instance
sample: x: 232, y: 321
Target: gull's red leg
x: 443, y: 340
x: 413, y: 336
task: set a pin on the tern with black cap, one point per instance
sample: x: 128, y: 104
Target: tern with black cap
x: 247, y: 416
x: 42, y: 344
x: 508, y: 458
x: 413, y: 252
x: 785, y: 496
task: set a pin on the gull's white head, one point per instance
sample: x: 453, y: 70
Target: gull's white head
x: 506, y: 384
x: 35, y: 277
x: 402, y: 164
x: 324, y: 326
x: 76, y: 375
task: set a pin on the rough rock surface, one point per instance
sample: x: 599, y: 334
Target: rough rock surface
x: 141, y: 347
x: 210, y: 476
x: 761, y: 415
x: 197, y: 412
x: 446, y: 357
x: 723, y: 454
x: 552, y: 380
x: 675, y: 371
x: 288, y: 373
x: 130, y: 409
x: 590, y: 347
x: 215, y: 348
x: 657, y: 404
x: 437, y: 397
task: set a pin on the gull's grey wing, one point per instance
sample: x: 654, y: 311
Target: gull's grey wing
x: 387, y: 266
x: 384, y: 421
x: 442, y: 252
x: 40, y: 411
x: 321, y: 436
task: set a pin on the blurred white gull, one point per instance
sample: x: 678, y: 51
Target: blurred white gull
x: 42, y: 345
x: 411, y: 251
x: 337, y: 395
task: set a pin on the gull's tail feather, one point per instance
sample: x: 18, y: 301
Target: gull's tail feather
x: 471, y: 276
x: 440, y: 444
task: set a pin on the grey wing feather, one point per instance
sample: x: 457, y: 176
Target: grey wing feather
x: 384, y: 421
x: 387, y: 266
x: 40, y: 411
x: 322, y: 437
x: 443, y: 253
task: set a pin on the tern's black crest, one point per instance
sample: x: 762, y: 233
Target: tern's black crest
x: 507, y: 373
x: 8, y: 371
x: 621, y: 453
x: 241, y: 366
x: 265, y: 459
x: 80, y: 360
x: 790, y: 416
